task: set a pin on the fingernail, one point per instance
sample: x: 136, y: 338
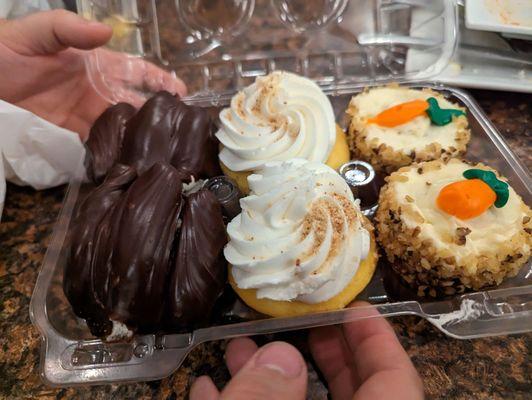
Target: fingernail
x: 97, y: 23
x: 282, y: 358
x: 85, y: 19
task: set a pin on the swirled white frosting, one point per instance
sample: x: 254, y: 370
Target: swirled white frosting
x: 279, y: 117
x: 299, y: 236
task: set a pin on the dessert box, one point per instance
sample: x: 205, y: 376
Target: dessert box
x: 344, y: 46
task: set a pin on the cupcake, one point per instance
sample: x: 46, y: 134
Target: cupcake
x: 301, y: 244
x: 394, y: 126
x: 279, y: 117
x: 448, y: 226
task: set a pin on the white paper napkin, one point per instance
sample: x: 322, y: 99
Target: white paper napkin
x: 35, y: 152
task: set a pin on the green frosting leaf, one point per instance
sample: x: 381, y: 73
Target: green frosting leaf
x: 441, y: 116
x: 499, y: 187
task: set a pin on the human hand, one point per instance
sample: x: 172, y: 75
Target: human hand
x: 360, y: 360
x: 43, y: 71
x: 275, y: 371
x: 365, y: 360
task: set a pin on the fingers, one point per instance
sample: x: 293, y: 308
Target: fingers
x: 127, y: 76
x: 238, y: 353
x: 203, y: 389
x: 155, y: 79
x: 379, y: 357
x: 275, y: 371
x: 159, y: 79
x: 329, y: 350
x: 372, y: 324
x: 333, y: 357
x: 52, y: 31
x: 374, y: 345
x: 397, y: 384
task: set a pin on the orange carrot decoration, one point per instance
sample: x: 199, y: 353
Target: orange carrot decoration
x: 400, y: 114
x: 466, y: 199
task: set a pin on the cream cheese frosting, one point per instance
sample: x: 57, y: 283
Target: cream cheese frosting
x: 416, y: 194
x: 411, y: 136
x: 279, y: 117
x: 299, y: 236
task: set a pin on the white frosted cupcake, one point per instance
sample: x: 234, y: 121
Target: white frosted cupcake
x: 300, y: 244
x: 279, y: 117
x: 395, y: 126
x: 443, y: 229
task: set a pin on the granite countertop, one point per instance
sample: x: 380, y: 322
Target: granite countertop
x: 492, y: 368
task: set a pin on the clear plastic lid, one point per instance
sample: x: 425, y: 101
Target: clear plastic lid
x: 220, y: 46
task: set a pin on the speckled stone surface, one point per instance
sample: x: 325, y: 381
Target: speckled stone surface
x: 493, y: 368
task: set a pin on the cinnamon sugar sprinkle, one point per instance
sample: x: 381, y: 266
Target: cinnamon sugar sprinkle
x: 337, y: 210
x: 267, y: 89
x: 240, y: 105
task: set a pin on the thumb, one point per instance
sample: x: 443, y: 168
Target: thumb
x: 52, y: 31
x: 275, y: 371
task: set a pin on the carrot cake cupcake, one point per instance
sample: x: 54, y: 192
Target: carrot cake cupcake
x: 395, y: 126
x: 448, y: 226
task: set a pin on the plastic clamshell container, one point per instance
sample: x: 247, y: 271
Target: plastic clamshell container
x: 220, y: 46
x: 71, y: 356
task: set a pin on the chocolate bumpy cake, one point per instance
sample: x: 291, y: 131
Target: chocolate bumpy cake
x: 146, y: 243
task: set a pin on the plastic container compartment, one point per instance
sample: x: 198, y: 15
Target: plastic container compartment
x: 219, y: 46
x: 328, y: 52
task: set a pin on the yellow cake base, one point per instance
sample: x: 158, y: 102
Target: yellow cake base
x: 276, y: 308
x: 339, y: 156
x: 340, y: 152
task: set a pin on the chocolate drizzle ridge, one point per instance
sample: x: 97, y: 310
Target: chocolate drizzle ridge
x: 78, y: 275
x: 105, y: 140
x: 167, y: 130
x: 147, y: 136
x: 200, y: 271
x: 147, y: 219
x: 194, y: 149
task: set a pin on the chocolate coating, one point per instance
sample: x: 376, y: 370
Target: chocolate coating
x: 125, y: 238
x: 78, y: 270
x: 148, y: 133
x: 105, y: 140
x: 200, y: 271
x: 147, y: 222
x: 105, y: 237
x: 194, y: 149
x: 164, y: 130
